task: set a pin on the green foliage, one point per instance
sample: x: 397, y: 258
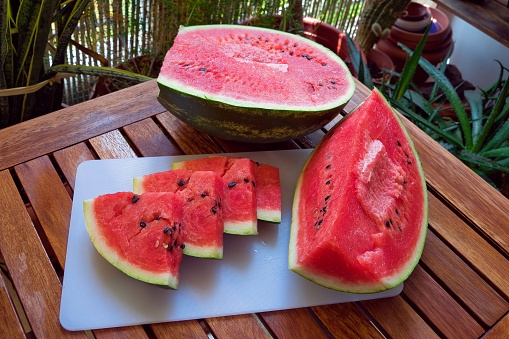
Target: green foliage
x: 478, y: 131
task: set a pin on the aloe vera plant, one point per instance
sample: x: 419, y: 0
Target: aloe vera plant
x: 478, y: 134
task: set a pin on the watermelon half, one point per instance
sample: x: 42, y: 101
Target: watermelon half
x: 201, y: 192
x: 359, y: 218
x: 252, y: 84
x: 141, y: 235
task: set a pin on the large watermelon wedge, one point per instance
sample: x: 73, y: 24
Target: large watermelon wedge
x: 252, y: 84
x: 139, y: 234
x: 201, y: 192
x: 359, y: 216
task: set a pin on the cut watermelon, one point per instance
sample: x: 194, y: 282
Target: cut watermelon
x: 138, y: 234
x: 201, y: 192
x: 239, y: 199
x: 359, y: 216
x: 252, y: 84
x: 268, y: 192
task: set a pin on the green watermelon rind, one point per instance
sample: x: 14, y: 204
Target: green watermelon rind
x: 231, y: 119
x: 99, y: 242
x: 206, y: 252
x: 331, y: 282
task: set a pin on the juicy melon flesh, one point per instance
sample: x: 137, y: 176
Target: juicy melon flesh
x: 201, y: 192
x: 138, y: 234
x: 359, y: 215
x: 239, y: 195
x: 255, y: 67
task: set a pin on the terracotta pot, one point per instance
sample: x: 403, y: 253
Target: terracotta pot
x: 382, y: 62
x: 437, y: 45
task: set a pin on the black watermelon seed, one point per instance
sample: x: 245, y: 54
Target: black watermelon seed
x: 390, y: 220
x: 328, y: 166
x: 143, y: 224
x: 166, y: 230
x: 135, y: 198
x: 214, y: 210
x: 309, y: 57
x: 398, y: 143
x: 231, y: 184
x: 333, y: 82
x: 253, y: 183
x: 405, y: 182
x: 246, y: 180
x: 202, y: 69
x: 328, y: 182
x: 324, y: 64
x: 408, y: 161
x: 203, y: 195
x: 304, y: 55
x: 182, y: 246
x: 181, y: 182
x: 327, y: 198
x: 397, y: 212
x: 399, y: 228
x: 158, y: 218
x: 291, y: 52
x: 294, y: 45
x: 387, y: 223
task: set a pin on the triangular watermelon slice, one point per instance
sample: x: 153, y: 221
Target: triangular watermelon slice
x: 141, y: 235
x: 201, y: 192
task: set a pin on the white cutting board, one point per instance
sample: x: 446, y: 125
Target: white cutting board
x: 252, y: 277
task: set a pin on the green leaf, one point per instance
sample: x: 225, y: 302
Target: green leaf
x: 452, y: 96
x: 359, y: 64
x: 498, y: 138
x: 476, y: 112
x: 481, y: 161
x: 499, y: 152
x: 410, y: 67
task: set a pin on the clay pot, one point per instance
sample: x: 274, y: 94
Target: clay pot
x: 437, y: 45
x: 381, y: 61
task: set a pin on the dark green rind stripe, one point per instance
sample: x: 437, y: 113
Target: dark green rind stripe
x: 235, y: 123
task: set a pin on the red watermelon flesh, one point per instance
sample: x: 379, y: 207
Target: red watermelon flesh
x: 201, y: 192
x: 239, y: 195
x: 268, y: 192
x: 359, y: 217
x: 139, y: 234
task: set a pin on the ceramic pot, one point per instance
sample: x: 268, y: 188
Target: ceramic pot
x: 437, y: 45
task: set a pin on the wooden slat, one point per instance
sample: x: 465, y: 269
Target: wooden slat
x: 183, y: 329
x: 119, y: 333
x: 32, y: 273
x: 77, y: 123
x: 239, y: 326
x: 11, y: 325
x: 473, y: 248
x: 346, y: 321
x: 47, y: 193
x: 295, y: 323
x: 464, y: 189
x: 439, y: 307
x: 69, y: 158
x: 459, y: 278
x: 112, y: 145
x: 398, y: 319
x: 190, y: 140
x: 500, y: 330
x: 149, y: 139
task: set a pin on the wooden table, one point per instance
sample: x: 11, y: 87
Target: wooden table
x: 460, y: 289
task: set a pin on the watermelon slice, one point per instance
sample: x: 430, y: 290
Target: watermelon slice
x: 138, y: 234
x: 239, y: 196
x: 359, y: 216
x: 201, y: 192
x: 268, y: 192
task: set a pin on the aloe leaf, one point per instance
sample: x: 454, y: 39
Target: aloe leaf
x: 428, y: 124
x: 481, y: 161
x: 497, y: 108
x: 410, y: 67
x: 499, y: 152
x: 501, y: 136
x: 476, y: 112
x: 451, y: 94
x: 358, y: 63
x: 100, y: 71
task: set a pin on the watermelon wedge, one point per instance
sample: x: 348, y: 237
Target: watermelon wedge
x: 201, y: 192
x: 239, y: 195
x: 268, y: 192
x: 359, y: 216
x: 138, y: 234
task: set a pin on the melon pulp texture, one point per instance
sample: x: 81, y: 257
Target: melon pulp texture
x: 359, y: 216
x: 268, y: 192
x: 138, y: 234
x: 252, y: 84
x: 239, y: 195
x: 201, y: 192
